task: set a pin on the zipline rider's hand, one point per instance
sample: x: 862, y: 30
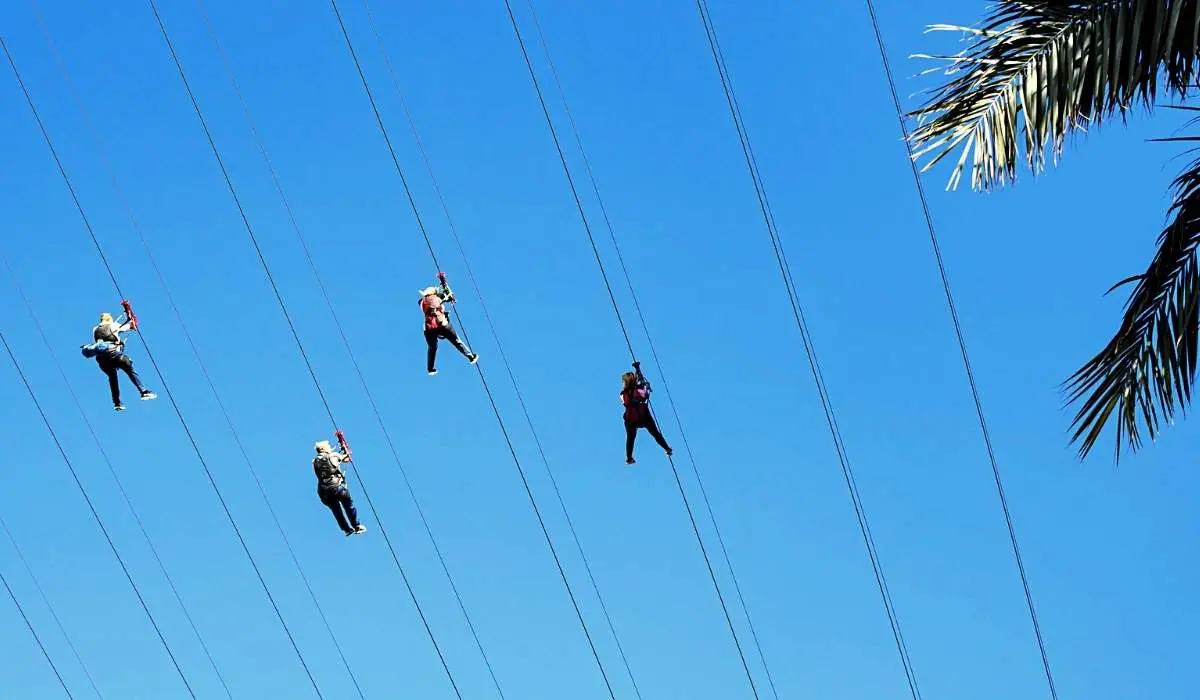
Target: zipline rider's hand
x: 637, y: 367
x: 447, y: 294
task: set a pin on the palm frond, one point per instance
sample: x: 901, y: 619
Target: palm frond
x: 1039, y: 70
x: 1148, y: 370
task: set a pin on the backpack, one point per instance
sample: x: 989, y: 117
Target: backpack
x: 99, y: 347
x: 328, y: 471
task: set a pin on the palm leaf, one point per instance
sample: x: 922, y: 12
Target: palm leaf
x: 1147, y: 371
x: 1039, y: 70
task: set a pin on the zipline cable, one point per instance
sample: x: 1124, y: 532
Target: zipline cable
x: 810, y: 350
x: 295, y: 334
x: 483, y: 379
x: 161, y: 377
x: 285, y: 200
x: 37, y: 324
x: 95, y: 516
x: 620, y: 320
x: 499, y: 345
x: 136, y: 225
x: 650, y: 340
x: 790, y: 285
x: 36, y: 638
x: 37, y: 585
x: 962, y: 346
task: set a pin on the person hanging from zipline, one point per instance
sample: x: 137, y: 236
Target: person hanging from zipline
x: 331, y: 485
x: 437, y: 323
x: 109, y: 350
x: 635, y: 395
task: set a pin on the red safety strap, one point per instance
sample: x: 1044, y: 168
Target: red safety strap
x: 343, y: 444
x: 133, y: 322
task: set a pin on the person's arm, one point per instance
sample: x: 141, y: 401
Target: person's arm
x: 122, y: 323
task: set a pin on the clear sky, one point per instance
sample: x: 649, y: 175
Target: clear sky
x: 1111, y: 552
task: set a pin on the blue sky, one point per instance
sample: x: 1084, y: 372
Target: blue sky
x: 1110, y: 552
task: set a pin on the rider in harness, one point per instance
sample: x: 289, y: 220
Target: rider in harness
x: 109, y: 350
x: 635, y: 395
x: 331, y: 487
x: 437, y: 323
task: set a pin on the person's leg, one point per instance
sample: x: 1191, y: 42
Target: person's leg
x: 126, y: 366
x: 111, y: 372
x: 449, y: 334
x: 431, y: 339
x: 652, y: 428
x: 329, y: 498
x: 630, y: 435
x: 348, y: 506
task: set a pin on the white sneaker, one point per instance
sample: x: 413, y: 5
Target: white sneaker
x: 149, y: 396
x: 432, y: 372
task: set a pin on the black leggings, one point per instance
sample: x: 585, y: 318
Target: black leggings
x: 447, y: 332
x: 631, y: 428
x: 109, y: 364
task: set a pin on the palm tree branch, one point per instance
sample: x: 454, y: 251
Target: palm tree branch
x: 1038, y: 70
x: 1147, y: 370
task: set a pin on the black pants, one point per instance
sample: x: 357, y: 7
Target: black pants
x: 447, y: 332
x: 337, y: 498
x: 109, y: 364
x: 631, y: 428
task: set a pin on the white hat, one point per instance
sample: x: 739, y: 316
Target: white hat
x: 428, y: 291
x: 324, y: 446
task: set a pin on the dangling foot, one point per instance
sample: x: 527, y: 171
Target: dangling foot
x: 149, y: 396
x: 473, y: 358
x: 359, y: 529
x: 348, y: 532
x: 670, y: 452
x: 630, y: 460
x: 432, y: 372
x: 119, y: 407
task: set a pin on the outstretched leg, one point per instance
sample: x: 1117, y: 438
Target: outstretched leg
x: 126, y: 365
x: 652, y: 428
x: 449, y: 334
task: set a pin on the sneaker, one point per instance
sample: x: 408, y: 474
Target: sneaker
x: 670, y: 452
x: 473, y: 358
x: 149, y: 396
x: 359, y: 530
x: 119, y: 407
x: 432, y: 372
x: 347, y: 533
x: 630, y: 460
